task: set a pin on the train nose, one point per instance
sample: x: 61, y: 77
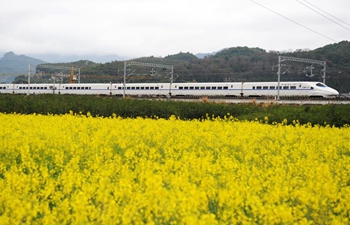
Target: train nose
x: 334, y: 92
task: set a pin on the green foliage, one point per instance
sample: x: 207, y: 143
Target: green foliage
x: 181, y: 57
x: 239, y: 51
x: 336, y: 115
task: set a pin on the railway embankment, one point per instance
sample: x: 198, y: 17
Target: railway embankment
x: 265, y: 112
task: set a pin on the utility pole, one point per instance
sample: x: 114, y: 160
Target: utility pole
x: 124, y: 79
x: 279, y: 78
x: 28, y: 78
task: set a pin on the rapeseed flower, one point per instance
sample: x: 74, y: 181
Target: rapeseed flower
x: 77, y: 169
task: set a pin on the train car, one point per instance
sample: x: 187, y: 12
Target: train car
x: 25, y: 88
x: 84, y: 89
x: 297, y: 88
x: 141, y: 89
x: 202, y: 89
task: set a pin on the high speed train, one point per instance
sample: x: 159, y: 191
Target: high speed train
x: 227, y: 89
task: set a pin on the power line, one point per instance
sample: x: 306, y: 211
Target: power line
x: 322, y: 15
x: 294, y: 21
x: 326, y: 13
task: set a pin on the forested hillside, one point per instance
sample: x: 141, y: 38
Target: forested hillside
x: 231, y: 64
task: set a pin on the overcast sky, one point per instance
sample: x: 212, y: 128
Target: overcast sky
x: 135, y: 28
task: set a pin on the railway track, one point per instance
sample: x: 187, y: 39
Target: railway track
x: 258, y: 100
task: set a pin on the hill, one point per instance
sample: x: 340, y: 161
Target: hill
x: 236, y: 64
x: 14, y: 64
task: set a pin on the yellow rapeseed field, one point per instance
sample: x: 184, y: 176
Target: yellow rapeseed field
x: 77, y: 169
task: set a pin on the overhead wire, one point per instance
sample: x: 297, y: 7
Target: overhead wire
x: 299, y: 24
x: 322, y: 14
x: 327, y: 13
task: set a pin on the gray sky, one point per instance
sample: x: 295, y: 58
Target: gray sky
x: 135, y: 28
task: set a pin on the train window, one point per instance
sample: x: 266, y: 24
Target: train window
x: 78, y: 87
x: 196, y: 87
x: 220, y: 88
x: 156, y: 88
x: 147, y: 88
x: 320, y: 85
x: 312, y: 88
x: 151, y: 88
x: 128, y: 88
x: 265, y: 87
x: 272, y: 87
x: 253, y: 87
x: 286, y: 87
x: 191, y: 88
x: 258, y: 87
x: 207, y: 87
x: 186, y: 88
x: 133, y: 88
x: 293, y: 87
x: 119, y: 88
x: 74, y: 87
x: 226, y: 88
x: 137, y: 88
x: 202, y: 88
x: 142, y: 88
x: 213, y: 87
x: 181, y: 88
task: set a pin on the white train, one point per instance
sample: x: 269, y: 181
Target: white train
x: 227, y: 89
